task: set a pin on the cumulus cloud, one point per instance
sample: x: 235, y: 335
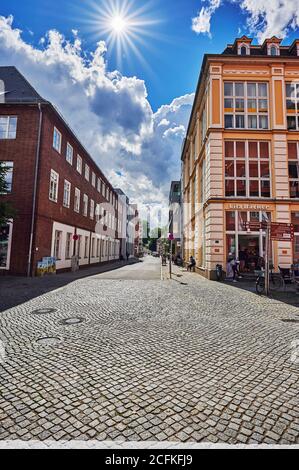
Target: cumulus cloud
x: 264, y: 18
x: 109, y: 112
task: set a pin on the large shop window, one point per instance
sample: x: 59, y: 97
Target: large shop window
x: 292, y: 96
x: 5, y: 242
x: 246, y: 246
x: 247, y: 169
x: 246, y: 105
x: 293, y: 162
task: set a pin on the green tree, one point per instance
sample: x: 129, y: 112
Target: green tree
x: 6, y: 210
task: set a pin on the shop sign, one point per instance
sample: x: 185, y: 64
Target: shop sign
x: 250, y: 207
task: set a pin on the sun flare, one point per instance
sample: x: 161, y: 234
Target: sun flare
x: 124, y: 26
x: 119, y: 24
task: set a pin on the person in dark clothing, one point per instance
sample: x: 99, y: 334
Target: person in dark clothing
x: 192, y: 264
x: 128, y: 256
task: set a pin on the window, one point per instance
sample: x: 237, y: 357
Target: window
x: 293, y: 163
x: 247, y: 169
x: 103, y: 189
x: 273, y: 50
x: 243, y: 50
x: 5, y: 245
x: 86, y: 248
x: 69, y: 154
x: 99, y: 185
x: 245, y: 105
x: 292, y: 96
x: 66, y: 194
x: 68, y: 245
x: 8, y: 166
x: 57, y: 140
x: 98, y: 248
x: 93, y: 179
x: 92, y: 247
x: 79, y: 164
x: 57, y: 244
x: 97, y: 212
x: 85, y: 205
x: 54, y: 180
x: 79, y: 242
x: 87, y: 172
x: 77, y: 200
x: 8, y: 127
x: 91, y: 211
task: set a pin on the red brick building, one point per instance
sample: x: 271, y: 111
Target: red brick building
x: 65, y: 205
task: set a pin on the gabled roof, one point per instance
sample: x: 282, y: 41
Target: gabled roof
x: 16, y: 87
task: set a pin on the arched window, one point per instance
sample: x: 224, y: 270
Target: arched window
x: 243, y: 50
x: 273, y: 50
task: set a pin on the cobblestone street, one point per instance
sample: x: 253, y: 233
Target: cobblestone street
x: 124, y: 355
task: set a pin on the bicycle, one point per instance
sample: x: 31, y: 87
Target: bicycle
x: 275, y: 282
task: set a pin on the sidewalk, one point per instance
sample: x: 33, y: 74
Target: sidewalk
x: 181, y: 275
x: 15, y: 290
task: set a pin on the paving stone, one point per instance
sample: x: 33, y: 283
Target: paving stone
x: 153, y: 361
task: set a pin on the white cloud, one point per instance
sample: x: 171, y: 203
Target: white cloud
x: 201, y: 24
x: 109, y: 112
x: 265, y: 18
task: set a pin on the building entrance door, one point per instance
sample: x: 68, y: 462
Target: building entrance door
x: 250, y: 252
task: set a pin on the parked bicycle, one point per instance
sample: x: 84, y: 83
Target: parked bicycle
x: 275, y: 281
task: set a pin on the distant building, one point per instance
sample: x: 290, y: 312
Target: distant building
x: 66, y: 207
x: 241, y: 155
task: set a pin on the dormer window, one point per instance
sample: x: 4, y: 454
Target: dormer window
x: 243, y: 49
x: 273, y: 50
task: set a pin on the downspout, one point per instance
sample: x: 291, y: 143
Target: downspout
x: 35, y: 190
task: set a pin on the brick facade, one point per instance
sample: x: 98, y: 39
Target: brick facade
x: 22, y: 151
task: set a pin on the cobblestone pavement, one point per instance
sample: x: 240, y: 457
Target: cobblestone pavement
x: 176, y: 360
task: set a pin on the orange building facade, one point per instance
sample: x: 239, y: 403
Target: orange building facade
x: 240, y: 158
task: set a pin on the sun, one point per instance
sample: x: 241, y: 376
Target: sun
x: 119, y: 24
x: 125, y: 27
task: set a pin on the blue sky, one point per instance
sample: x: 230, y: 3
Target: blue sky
x: 131, y: 111
x: 173, y: 52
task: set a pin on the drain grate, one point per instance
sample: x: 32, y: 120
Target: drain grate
x: 72, y: 321
x: 48, y: 341
x: 290, y: 321
x: 43, y: 311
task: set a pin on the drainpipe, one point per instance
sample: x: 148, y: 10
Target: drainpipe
x: 29, y: 267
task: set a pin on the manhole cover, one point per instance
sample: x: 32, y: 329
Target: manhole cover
x: 72, y: 321
x: 42, y: 311
x: 48, y: 341
x: 290, y: 321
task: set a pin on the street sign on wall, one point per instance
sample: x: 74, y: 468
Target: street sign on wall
x: 282, y: 232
